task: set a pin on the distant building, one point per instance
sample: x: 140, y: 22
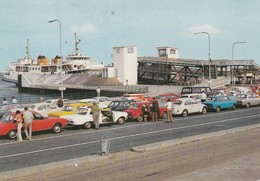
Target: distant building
x: 125, y: 65
x: 169, y: 52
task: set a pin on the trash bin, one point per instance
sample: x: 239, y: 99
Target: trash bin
x: 105, y: 145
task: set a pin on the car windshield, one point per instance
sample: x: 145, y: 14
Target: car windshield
x: 6, y: 117
x: 212, y: 99
x: 82, y: 111
x: 67, y: 108
x: 242, y: 95
x: 134, y: 106
x: 177, y: 102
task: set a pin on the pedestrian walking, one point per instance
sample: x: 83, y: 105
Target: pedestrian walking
x: 155, y: 110
x: 169, y: 111
x: 14, y: 101
x: 19, y: 121
x: 95, y: 114
x: 28, y: 117
x: 145, y: 112
x: 4, y: 101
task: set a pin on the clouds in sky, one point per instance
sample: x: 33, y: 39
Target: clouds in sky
x: 83, y: 28
x: 203, y: 28
x: 103, y: 24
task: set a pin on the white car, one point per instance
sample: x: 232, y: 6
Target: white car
x: 185, y: 106
x: 55, y: 101
x: 83, y: 117
x: 102, y: 101
x: 44, y: 108
x: 192, y: 96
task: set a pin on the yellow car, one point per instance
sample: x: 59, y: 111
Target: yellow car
x: 67, y: 109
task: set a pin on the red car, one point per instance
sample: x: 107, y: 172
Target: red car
x: 135, y: 111
x: 8, y: 125
x: 163, y: 98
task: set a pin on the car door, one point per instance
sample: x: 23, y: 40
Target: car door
x: 195, y: 106
x: 40, y: 123
x: 188, y: 106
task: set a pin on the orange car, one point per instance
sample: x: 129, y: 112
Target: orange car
x: 142, y: 97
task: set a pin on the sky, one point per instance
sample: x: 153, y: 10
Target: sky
x: 103, y: 24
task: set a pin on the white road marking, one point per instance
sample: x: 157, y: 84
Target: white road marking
x: 126, y: 136
x: 129, y: 126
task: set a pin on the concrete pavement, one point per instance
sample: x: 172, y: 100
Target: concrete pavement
x: 252, y: 161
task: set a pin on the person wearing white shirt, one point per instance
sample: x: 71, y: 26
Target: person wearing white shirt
x: 28, y: 117
x: 14, y: 100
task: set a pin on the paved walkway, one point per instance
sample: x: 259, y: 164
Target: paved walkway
x: 217, y: 156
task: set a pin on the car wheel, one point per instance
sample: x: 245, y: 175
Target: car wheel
x: 56, y: 128
x: 139, y: 118
x: 87, y: 125
x: 218, y: 109
x: 164, y: 116
x: 204, y: 110
x: 12, y: 134
x: 247, y: 105
x: 234, y: 107
x: 121, y: 120
x: 184, y: 113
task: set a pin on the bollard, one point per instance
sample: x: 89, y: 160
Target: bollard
x: 105, y: 145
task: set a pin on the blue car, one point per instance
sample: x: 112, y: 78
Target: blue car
x: 218, y: 103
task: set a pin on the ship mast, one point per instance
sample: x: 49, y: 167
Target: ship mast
x: 27, y: 50
x: 76, y: 44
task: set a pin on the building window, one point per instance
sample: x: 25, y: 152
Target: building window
x: 130, y: 50
x: 172, y: 51
x: 162, y: 52
x: 118, y: 50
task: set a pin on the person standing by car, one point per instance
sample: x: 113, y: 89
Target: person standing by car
x: 145, y: 112
x: 19, y: 121
x: 14, y: 101
x: 155, y: 110
x: 95, y: 114
x: 60, y: 102
x: 169, y: 110
x: 28, y: 117
x: 4, y: 101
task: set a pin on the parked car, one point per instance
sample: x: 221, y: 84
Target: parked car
x: 218, y: 103
x: 247, y: 100
x: 142, y: 97
x: 6, y: 107
x: 135, y: 111
x: 196, y: 90
x: 8, y: 125
x: 117, y: 105
x: 68, y: 109
x: 44, y: 108
x: 185, y: 106
x: 83, y: 117
x: 102, y: 101
x: 55, y: 101
x: 197, y: 97
x: 163, y: 98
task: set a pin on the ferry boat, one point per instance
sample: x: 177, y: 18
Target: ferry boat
x: 75, y: 63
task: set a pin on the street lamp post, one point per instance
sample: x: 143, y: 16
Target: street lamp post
x: 208, y: 53
x: 232, y: 66
x: 61, y: 82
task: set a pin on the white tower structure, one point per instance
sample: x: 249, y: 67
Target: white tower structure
x: 125, y: 64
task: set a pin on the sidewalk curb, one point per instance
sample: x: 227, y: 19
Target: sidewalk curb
x: 163, y: 144
x: 4, y: 176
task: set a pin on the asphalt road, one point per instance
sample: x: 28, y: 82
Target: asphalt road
x: 74, y: 143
